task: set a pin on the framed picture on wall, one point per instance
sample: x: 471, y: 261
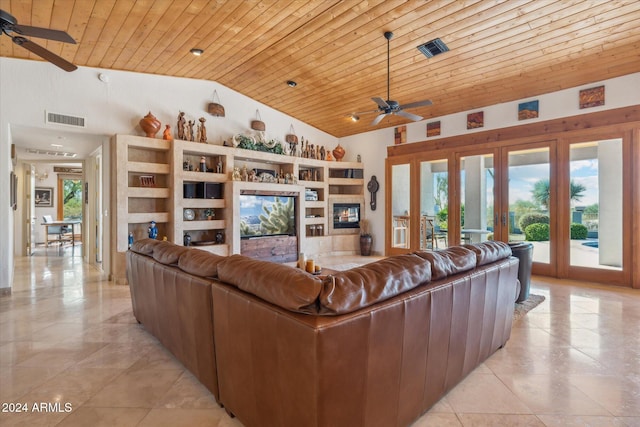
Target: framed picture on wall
x: 44, y: 197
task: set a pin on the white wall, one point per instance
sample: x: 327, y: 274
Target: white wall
x: 372, y: 146
x: 29, y: 88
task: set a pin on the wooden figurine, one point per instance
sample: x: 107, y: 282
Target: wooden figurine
x: 180, y: 127
x: 166, y: 135
x: 202, y: 131
x: 192, y: 135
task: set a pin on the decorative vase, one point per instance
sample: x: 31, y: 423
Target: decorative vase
x: 338, y: 153
x: 365, y: 245
x: 150, y: 125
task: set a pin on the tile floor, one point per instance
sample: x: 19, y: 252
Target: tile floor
x: 68, y: 339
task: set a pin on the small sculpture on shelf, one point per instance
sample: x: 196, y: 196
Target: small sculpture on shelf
x: 219, y: 237
x: 203, y: 164
x: 187, y: 239
x: 189, y: 135
x: 219, y: 166
x: 202, y: 131
x: 153, y: 230
x: 236, y: 174
x: 328, y: 156
x: 166, y: 135
x: 181, y: 126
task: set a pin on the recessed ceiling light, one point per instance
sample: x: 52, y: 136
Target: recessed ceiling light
x: 354, y: 117
x: 197, y: 52
x: 291, y: 83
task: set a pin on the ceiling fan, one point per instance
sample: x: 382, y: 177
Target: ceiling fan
x: 390, y: 106
x: 9, y: 24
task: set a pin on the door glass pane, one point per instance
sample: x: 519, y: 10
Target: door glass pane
x: 476, y: 198
x: 596, y: 204
x: 529, y: 195
x: 434, y: 204
x: 72, y: 199
x: 400, y: 202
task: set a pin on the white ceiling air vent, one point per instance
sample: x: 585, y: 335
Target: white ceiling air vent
x: 51, y: 153
x: 63, y: 119
x: 433, y: 48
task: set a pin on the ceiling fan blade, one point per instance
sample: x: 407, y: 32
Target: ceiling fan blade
x: 424, y: 103
x: 413, y: 117
x: 381, y: 102
x: 44, y: 53
x: 378, y: 119
x: 42, y: 33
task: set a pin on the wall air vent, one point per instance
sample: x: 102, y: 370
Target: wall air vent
x: 433, y: 48
x: 62, y: 119
x: 51, y: 153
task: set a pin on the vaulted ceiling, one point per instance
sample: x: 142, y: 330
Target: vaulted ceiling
x: 336, y: 52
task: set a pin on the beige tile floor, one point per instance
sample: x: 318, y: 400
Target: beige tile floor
x: 67, y: 336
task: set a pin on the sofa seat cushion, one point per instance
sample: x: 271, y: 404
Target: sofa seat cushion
x: 199, y: 262
x: 490, y: 251
x: 168, y: 253
x: 450, y: 261
x: 144, y: 246
x: 279, y: 284
x: 363, y: 286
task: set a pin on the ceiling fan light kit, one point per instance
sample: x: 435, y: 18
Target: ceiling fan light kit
x: 9, y: 26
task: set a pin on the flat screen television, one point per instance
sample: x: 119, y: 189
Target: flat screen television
x: 267, y: 215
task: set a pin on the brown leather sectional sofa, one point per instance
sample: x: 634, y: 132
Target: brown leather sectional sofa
x: 376, y: 345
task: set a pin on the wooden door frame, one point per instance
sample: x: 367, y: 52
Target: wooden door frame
x: 565, y: 269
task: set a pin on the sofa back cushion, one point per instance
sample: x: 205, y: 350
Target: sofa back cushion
x: 453, y: 260
x: 279, y: 284
x: 167, y: 252
x: 490, y: 251
x: 363, y: 286
x: 199, y: 262
x: 144, y: 246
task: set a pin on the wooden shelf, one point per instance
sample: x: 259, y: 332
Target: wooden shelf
x: 315, y: 221
x: 191, y: 176
x: 148, y: 192
x: 214, y: 224
x: 312, y: 184
x: 149, y: 168
x: 203, y: 203
x: 346, y: 181
x: 141, y: 218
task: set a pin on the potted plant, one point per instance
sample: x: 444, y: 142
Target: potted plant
x: 208, y: 213
x: 366, y: 239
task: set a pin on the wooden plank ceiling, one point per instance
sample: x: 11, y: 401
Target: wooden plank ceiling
x: 335, y: 50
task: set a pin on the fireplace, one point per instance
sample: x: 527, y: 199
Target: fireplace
x: 346, y: 215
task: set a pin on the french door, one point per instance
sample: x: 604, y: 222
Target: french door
x: 529, y: 201
x: 568, y: 198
